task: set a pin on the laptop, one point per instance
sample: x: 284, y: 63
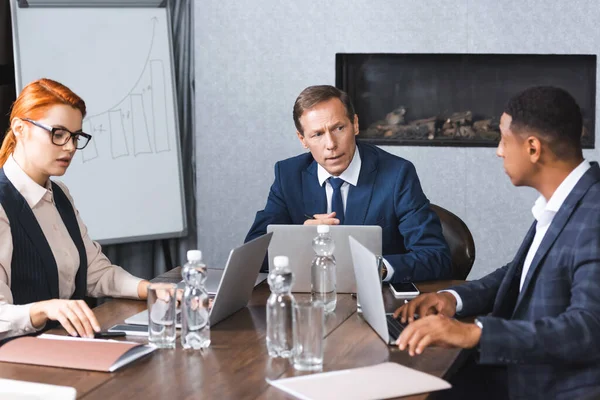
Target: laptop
x: 214, y: 278
x: 235, y: 286
x: 369, y: 294
x: 295, y: 241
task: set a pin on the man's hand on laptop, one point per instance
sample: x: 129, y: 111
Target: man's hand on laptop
x: 323, y: 219
x: 438, y: 330
x: 427, y: 304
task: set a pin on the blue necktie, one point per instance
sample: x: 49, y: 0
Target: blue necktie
x: 337, y: 204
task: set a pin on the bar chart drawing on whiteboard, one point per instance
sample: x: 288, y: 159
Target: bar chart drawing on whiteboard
x: 135, y: 126
x: 128, y: 181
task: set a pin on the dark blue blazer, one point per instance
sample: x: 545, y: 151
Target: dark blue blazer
x: 548, y: 335
x: 388, y: 194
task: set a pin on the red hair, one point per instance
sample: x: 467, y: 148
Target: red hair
x: 33, y: 102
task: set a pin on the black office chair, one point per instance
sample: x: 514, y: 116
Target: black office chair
x: 460, y: 241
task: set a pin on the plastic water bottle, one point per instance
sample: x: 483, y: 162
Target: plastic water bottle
x: 280, y: 309
x: 195, y: 324
x: 323, y: 278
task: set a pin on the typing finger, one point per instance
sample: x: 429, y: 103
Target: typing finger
x: 404, y: 313
x: 399, y: 311
x: 414, y: 340
x: 423, y: 343
x: 405, y: 336
x: 410, y: 310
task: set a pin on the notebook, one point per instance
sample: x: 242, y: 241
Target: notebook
x: 70, y: 352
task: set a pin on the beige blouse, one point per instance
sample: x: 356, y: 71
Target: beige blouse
x: 103, y: 278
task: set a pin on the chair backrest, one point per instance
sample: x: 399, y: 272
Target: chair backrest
x: 460, y: 241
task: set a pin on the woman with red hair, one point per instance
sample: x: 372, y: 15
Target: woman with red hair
x: 48, y: 262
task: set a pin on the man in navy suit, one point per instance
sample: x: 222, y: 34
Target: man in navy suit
x: 342, y: 182
x: 538, y: 326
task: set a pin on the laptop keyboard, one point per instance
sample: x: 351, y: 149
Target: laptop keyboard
x: 394, y: 327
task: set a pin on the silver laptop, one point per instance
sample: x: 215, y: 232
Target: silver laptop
x: 295, y: 241
x: 236, y: 284
x: 214, y: 278
x: 369, y: 294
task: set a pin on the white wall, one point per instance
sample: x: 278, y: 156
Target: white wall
x: 253, y: 58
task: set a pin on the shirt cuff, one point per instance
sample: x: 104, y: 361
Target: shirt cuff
x: 459, y: 303
x: 129, y: 287
x: 390, y: 270
x: 22, y: 319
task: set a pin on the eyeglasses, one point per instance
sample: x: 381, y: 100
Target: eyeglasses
x: 61, y: 136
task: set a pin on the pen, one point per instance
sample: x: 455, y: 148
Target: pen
x: 101, y: 335
x: 308, y: 216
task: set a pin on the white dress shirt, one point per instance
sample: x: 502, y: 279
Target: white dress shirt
x: 544, y: 213
x: 350, y: 177
x: 103, y: 278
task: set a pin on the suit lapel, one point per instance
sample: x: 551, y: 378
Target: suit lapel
x: 558, y: 223
x: 359, y: 196
x: 313, y: 194
x: 39, y: 241
x: 506, y: 297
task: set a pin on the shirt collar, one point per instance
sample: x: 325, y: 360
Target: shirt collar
x: 350, y: 175
x: 29, y: 189
x: 561, y: 193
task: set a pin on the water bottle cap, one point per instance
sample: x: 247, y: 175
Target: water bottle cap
x: 323, y: 229
x: 281, y: 261
x: 194, y: 255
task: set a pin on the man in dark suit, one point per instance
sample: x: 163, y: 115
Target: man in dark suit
x: 537, y: 333
x: 342, y: 182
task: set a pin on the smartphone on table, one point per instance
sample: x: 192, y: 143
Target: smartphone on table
x: 130, y: 330
x: 404, y: 290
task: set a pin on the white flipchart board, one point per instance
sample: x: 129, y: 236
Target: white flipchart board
x: 127, y: 183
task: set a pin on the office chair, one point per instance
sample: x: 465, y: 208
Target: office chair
x: 460, y: 241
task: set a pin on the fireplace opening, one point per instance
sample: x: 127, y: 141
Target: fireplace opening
x: 455, y: 99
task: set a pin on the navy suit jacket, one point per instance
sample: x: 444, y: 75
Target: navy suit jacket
x: 548, y: 334
x: 388, y: 194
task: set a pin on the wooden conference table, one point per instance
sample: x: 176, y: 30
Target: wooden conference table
x: 236, y: 365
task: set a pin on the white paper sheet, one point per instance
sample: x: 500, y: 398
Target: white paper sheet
x: 382, y: 381
x: 21, y: 390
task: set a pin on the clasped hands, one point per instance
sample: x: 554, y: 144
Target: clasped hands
x: 322, y: 219
x: 435, y: 327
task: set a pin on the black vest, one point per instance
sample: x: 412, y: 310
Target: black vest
x: 34, y: 273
